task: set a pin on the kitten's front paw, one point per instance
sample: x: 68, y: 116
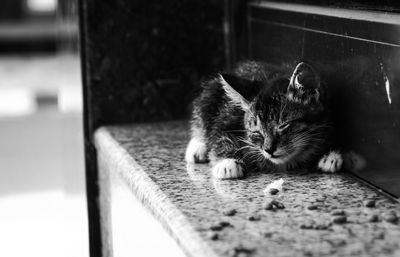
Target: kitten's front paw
x: 196, y: 151
x: 227, y: 169
x: 331, y: 162
x: 353, y: 162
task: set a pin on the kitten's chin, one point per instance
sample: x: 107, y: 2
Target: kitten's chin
x: 278, y: 160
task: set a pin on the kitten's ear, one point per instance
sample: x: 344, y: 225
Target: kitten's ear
x: 234, y: 96
x: 304, y: 86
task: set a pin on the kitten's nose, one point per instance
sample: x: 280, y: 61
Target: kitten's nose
x: 271, y: 149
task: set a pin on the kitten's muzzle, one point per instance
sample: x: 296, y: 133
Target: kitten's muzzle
x: 270, y: 147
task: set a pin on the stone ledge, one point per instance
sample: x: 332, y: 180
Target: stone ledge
x: 190, y: 204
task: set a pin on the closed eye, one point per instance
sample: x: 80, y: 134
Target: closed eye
x: 283, y: 126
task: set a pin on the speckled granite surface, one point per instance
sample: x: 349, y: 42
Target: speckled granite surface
x: 191, y: 205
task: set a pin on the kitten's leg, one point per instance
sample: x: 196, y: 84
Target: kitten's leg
x: 196, y: 151
x: 353, y: 162
x: 225, y: 164
x: 331, y: 162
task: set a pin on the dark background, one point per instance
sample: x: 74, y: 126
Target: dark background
x: 145, y: 58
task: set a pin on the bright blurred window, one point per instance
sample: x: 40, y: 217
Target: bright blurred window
x: 42, y: 5
x: 16, y: 101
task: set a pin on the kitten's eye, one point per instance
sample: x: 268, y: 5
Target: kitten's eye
x: 256, y: 136
x: 283, y: 126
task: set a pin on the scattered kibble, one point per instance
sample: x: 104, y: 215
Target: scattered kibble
x: 276, y: 184
x: 241, y: 250
x: 214, y: 236
x: 337, y: 242
x: 380, y: 235
x: 225, y: 224
x: 312, y: 225
x: 216, y: 227
x: 278, y: 205
x: 369, y: 203
x: 391, y: 218
x: 267, y: 234
x: 254, y: 217
x: 339, y: 219
x: 373, y: 218
x: 312, y: 207
x: 306, y: 226
x: 321, y: 226
x: 268, y: 205
x: 229, y: 212
x: 338, y: 213
x: 273, y: 204
x: 273, y: 191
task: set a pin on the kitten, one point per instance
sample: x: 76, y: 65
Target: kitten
x: 257, y: 118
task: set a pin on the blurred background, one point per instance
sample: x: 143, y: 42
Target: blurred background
x: 42, y: 189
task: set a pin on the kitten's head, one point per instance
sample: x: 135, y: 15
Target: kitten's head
x: 284, y: 121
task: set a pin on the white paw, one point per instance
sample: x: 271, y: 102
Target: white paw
x: 353, y: 162
x: 331, y: 162
x: 227, y: 169
x: 196, y: 151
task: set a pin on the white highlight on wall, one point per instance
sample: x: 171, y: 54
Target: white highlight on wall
x: 42, y: 5
x: 387, y: 87
x: 387, y: 83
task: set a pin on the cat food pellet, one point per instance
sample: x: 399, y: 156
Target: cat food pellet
x: 337, y: 242
x: 369, y: 203
x: 216, y: 227
x: 214, y: 236
x: 391, y: 218
x: 254, y: 218
x: 278, y: 205
x: 225, y: 224
x: 339, y: 219
x: 241, y: 254
x: 312, y: 207
x: 229, y: 212
x: 267, y: 234
x: 373, y: 218
x: 321, y: 226
x: 380, y: 235
x: 338, y: 213
x: 242, y: 249
x: 273, y: 191
x: 274, y: 204
x: 306, y: 226
x: 268, y: 205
